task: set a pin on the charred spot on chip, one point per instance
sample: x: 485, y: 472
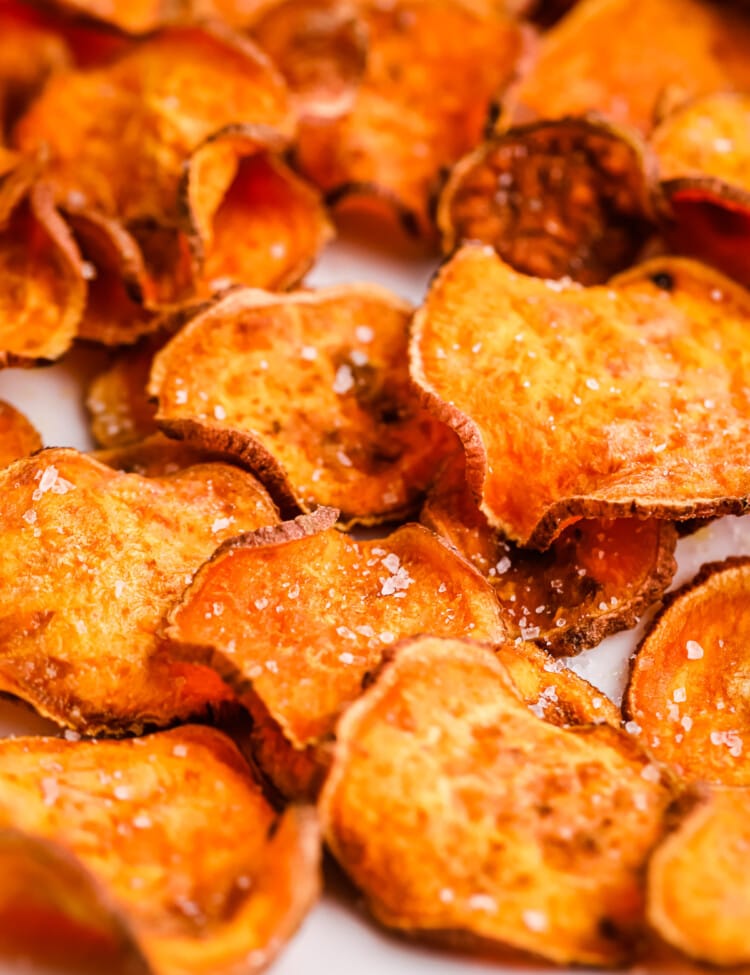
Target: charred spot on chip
x: 663, y: 280
x: 441, y: 754
x: 562, y: 198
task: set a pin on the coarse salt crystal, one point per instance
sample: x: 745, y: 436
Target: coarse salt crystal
x: 535, y: 920
x: 694, y: 650
x: 344, y: 380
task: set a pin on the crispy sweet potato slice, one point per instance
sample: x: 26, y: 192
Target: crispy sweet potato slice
x: 91, y: 561
x: 703, y: 150
x: 301, y: 614
x: 311, y: 390
x: 434, y: 67
x: 698, y: 897
x: 688, y: 685
x: 141, y: 117
x: 561, y: 198
x: 505, y: 829
x: 120, y: 410
x: 251, y: 220
x: 320, y: 46
x: 18, y: 437
x: 155, y: 456
x: 604, y: 402
x: 617, y: 57
x: 596, y: 578
x: 164, y: 843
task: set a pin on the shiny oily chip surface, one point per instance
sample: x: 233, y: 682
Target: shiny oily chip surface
x: 688, y: 690
x: 433, y: 70
x: 698, y: 898
x: 563, y: 198
x: 251, y: 221
x: 619, y: 58
x: 140, y: 117
x: 164, y: 844
x: 703, y: 150
x: 91, y: 561
x: 596, y: 578
x: 312, y: 391
x: 620, y: 400
x: 42, y: 286
x: 507, y: 830
x: 301, y: 614
x: 155, y: 456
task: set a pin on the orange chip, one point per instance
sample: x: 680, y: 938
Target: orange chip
x: 301, y: 614
x: 120, y: 410
x: 505, y: 830
x: 563, y: 198
x: 311, y: 390
x: 18, y: 438
x: 320, y: 46
x: 434, y: 68
x: 42, y: 286
x: 161, y: 849
x: 155, y: 456
x: 687, y: 686
x: 91, y: 561
x: 251, y: 220
x: 596, y: 578
x: 603, y: 402
x: 698, y: 896
x: 142, y: 116
x: 703, y: 150
x: 552, y: 691
x: 618, y: 57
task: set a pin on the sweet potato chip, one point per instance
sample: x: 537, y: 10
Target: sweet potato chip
x: 703, y: 150
x: 562, y: 198
x: 506, y: 830
x: 617, y: 57
x: 554, y: 692
x: 251, y: 220
x: 301, y: 614
x: 688, y: 682
x: 320, y: 46
x: 91, y: 561
x: 434, y: 67
x: 120, y: 410
x: 165, y: 841
x: 42, y: 285
x: 130, y: 126
x: 604, y: 402
x: 311, y: 390
x: 18, y: 438
x: 596, y: 578
x: 155, y: 456
x: 698, y: 898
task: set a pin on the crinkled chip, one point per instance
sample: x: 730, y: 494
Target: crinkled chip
x: 18, y: 437
x: 604, y: 402
x: 553, y: 691
x: 434, y: 68
x: 42, y: 285
x: 251, y: 220
x: 567, y: 198
x: 155, y: 456
x: 121, y: 412
x: 690, y: 678
x: 162, y: 849
x: 301, y: 614
x: 698, y: 898
x: 619, y: 57
x: 320, y: 46
x: 312, y: 391
x: 596, y: 578
x: 130, y: 126
x: 703, y: 149
x: 91, y: 561
x: 457, y: 811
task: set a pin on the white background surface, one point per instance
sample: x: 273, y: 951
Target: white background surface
x: 337, y: 939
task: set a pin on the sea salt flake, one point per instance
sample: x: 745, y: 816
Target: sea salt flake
x: 679, y: 695
x: 535, y: 920
x: 482, y: 902
x: 142, y: 821
x: 694, y: 650
x: 364, y: 333
x: 344, y: 380
x: 220, y: 524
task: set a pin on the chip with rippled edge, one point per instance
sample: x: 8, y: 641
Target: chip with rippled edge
x: 300, y: 615
x: 507, y: 831
x: 18, y: 436
x: 160, y: 854
x: 627, y: 399
x: 92, y: 560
